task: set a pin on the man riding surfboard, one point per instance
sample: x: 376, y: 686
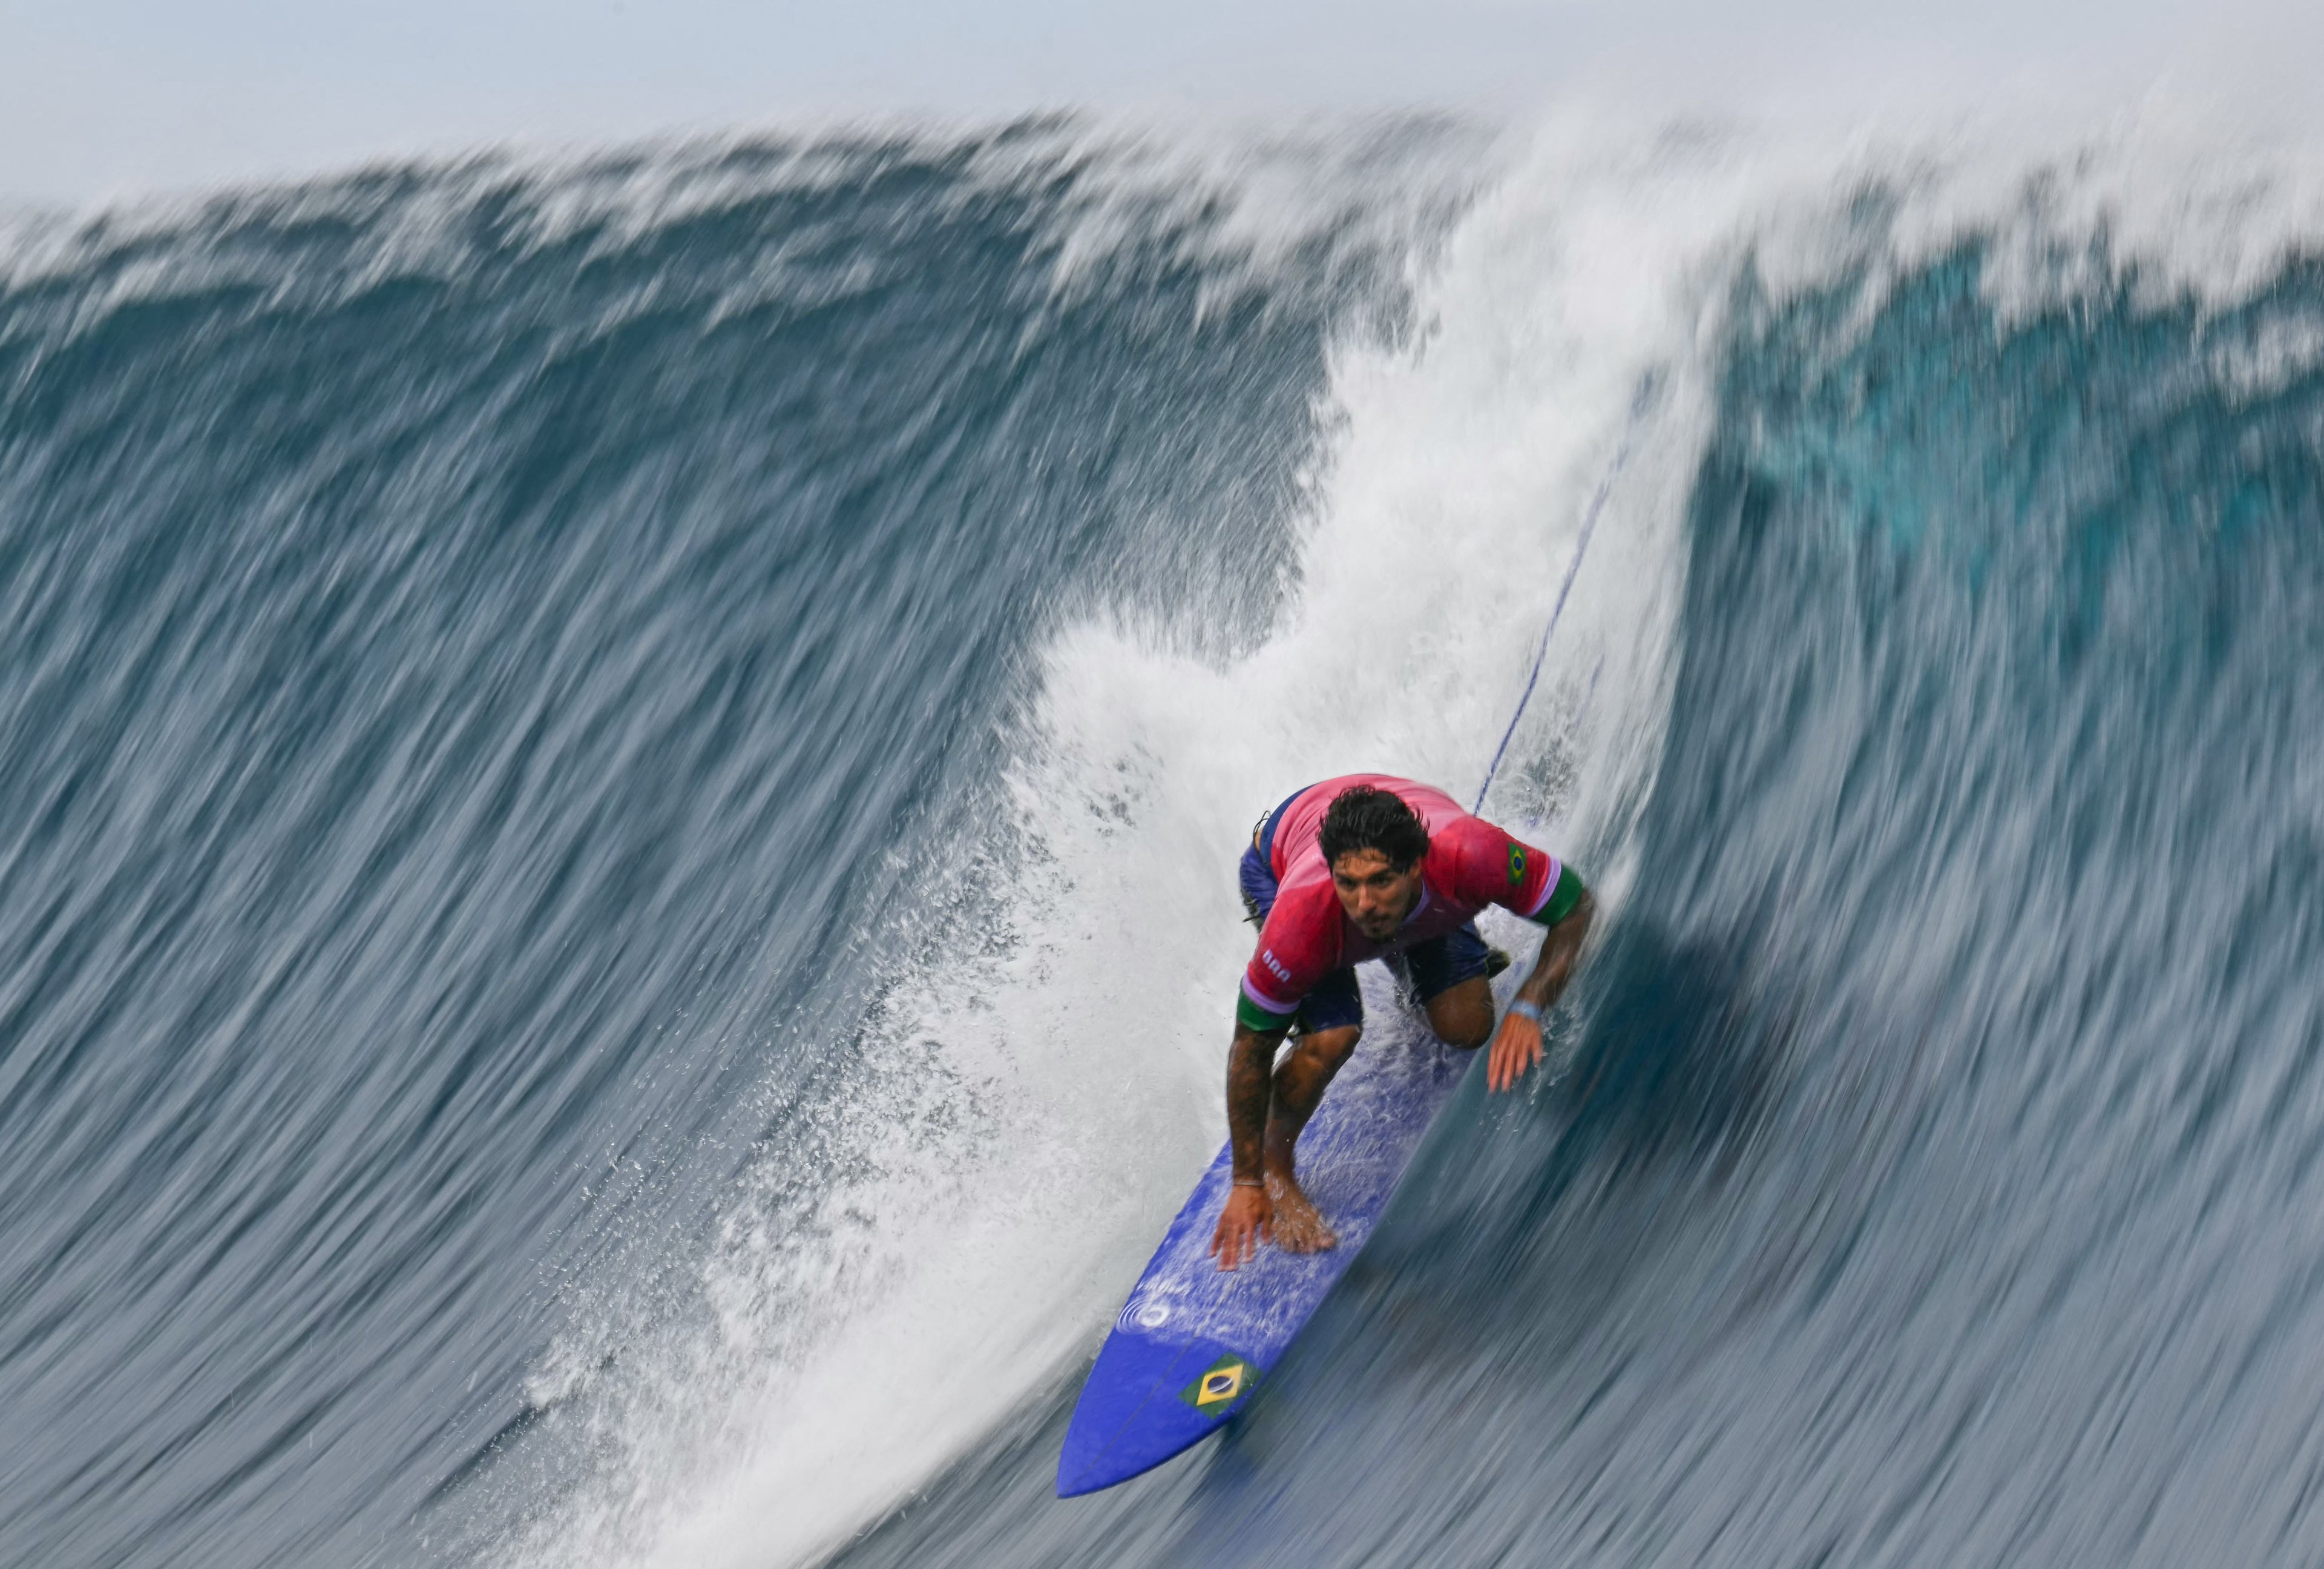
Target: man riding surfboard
x: 1369, y: 866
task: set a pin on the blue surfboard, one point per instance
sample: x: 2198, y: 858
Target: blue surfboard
x: 1193, y: 1342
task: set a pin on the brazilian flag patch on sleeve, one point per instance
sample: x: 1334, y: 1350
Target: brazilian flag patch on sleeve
x: 1516, y: 864
x: 1222, y: 1383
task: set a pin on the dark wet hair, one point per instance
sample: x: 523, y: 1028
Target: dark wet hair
x: 1365, y: 817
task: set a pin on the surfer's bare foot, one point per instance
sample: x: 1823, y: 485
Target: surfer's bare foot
x: 1299, y: 1225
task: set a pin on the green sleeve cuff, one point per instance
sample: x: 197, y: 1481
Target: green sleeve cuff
x: 1258, y: 1019
x: 1562, y: 899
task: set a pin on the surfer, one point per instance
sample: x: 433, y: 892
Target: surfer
x: 1362, y: 867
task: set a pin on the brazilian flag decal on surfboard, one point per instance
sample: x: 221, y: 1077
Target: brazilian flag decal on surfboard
x: 1222, y: 1383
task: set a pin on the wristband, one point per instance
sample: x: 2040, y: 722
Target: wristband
x: 1524, y: 1010
x: 1250, y: 1182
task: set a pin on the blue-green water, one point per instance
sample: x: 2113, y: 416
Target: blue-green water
x: 618, y: 789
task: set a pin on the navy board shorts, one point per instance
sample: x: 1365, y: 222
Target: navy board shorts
x: 1426, y: 969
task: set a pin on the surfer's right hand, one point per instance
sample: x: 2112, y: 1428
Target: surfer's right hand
x: 1248, y: 1219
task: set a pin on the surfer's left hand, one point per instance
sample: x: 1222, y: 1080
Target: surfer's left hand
x: 1517, y: 1047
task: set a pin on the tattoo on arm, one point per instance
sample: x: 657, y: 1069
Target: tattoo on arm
x: 1251, y: 1079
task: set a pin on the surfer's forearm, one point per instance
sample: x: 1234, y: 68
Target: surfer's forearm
x: 1517, y: 1044
x: 1250, y: 1082
x: 1560, y: 950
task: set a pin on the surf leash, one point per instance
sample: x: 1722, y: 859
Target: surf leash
x: 1580, y: 546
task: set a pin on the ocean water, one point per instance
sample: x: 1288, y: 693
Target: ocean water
x: 619, y: 782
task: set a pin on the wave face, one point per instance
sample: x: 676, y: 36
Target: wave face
x: 503, y: 670
x: 616, y: 903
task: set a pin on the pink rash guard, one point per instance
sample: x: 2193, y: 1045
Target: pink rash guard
x: 1470, y: 864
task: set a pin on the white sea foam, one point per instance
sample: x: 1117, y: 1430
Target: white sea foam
x: 1047, y: 1105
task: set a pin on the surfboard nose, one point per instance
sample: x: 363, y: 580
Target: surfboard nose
x: 1145, y: 1401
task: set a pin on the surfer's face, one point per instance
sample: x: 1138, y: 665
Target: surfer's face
x: 1375, y: 894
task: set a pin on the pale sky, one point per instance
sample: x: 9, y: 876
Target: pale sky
x: 103, y: 97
